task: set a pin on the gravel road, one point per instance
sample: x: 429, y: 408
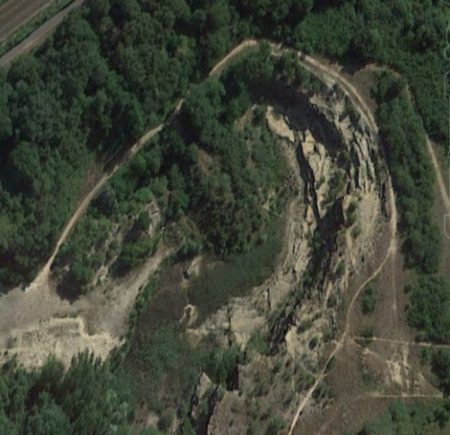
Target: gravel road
x: 19, y: 15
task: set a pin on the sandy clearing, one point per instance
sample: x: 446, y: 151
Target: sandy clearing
x: 62, y: 337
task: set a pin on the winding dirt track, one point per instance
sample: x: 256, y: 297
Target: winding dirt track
x: 440, y: 179
x: 44, y: 275
x: 317, y: 68
x: 408, y: 343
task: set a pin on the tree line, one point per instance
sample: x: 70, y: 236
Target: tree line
x: 115, y: 68
x: 209, y: 178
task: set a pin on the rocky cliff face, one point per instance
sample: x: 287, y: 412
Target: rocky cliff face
x: 335, y: 215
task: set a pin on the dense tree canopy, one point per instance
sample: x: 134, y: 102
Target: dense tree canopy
x: 207, y: 175
x: 430, y: 307
x: 407, y: 417
x: 115, y: 68
x: 403, y: 139
x: 85, y: 399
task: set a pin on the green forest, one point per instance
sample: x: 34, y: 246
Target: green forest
x: 403, y: 418
x: 209, y: 178
x: 85, y: 399
x: 116, y: 68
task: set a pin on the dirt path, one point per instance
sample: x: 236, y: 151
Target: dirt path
x: 324, y: 71
x: 317, y: 68
x: 320, y: 69
x: 440, y: 179
x: 409, y: 343
x: 241, y: 47
x: 44, y: 275
x: 341, y: 342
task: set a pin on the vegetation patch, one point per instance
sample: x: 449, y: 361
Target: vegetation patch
x: 87, y: 398
x: 413, y: 176
x: 429, y: 309
x: 369, y: 299
x: 235, y: 276
x: 407, y: 417
x: 365, y: 337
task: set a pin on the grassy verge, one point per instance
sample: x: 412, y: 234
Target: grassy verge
x: 30, y: 26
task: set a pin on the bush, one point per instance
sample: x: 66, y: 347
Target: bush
x: 143, y: 221
x: 340, y: 269
x: 313, y: 343
x: 134, y: 253
x: 356, y: 231
x: 221, y: 365
x: 259, y: 343
x: 366, y: 336
x: 165, y: 421
x: 368, y: 300
x: 275, y: 426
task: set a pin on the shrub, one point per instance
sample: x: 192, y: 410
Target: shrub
x: 259, y: 343
x: 413, y: 176
x: 165, y: 421
x: 356, y: 231
x: 313, y: 343
x: 340, y: 270
x: 143, y: 221
x: 368, y: 300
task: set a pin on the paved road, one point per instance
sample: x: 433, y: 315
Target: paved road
x: 38, y: 35
x: 15, y: 13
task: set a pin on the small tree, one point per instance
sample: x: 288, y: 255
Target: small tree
x: 369, y: 300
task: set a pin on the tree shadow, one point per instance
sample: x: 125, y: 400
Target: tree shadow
x: 68, y: 289
x: 301, y: 114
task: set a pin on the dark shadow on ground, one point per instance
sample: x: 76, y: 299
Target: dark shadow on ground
x: 68, y: 290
